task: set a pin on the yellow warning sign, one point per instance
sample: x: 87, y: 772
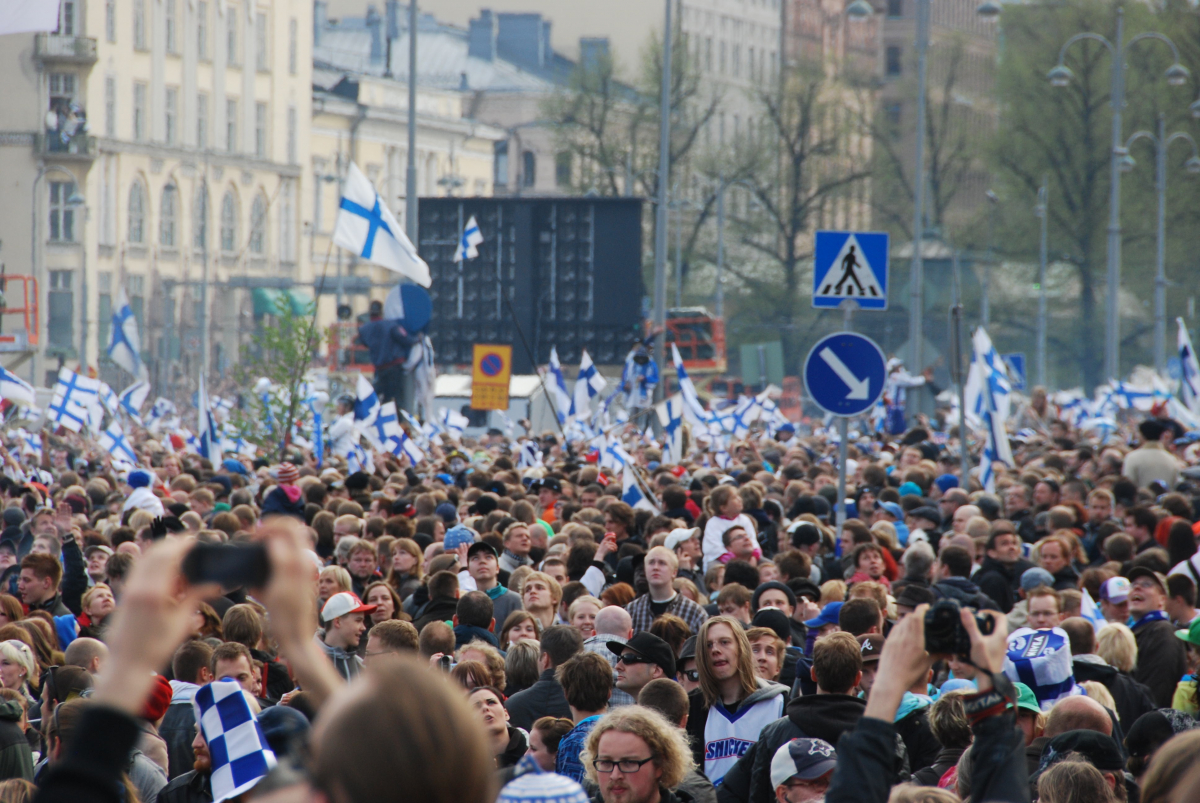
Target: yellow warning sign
x: 490, y: 374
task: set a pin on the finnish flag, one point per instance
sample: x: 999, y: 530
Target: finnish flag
x: 670, y: 415
x: 1189, y: 367
x: 368, y: 228
x: 124, y: 345
x: 74, y: 395
x: 113, y: 441
x: 453, y: 422
x: 558, y: 387
x: 132, y: 398
x: 15, y: 389
x: 208, y: 443
x: 632, y: 495
x: 589, y: 383
x: 403, y: 445
x: 693, y: 408
x: 469, y: 242
x: 366, y: 404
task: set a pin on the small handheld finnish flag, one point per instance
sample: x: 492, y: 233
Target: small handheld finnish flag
x: 469, y: 242
x: 124, y: 345
x: 368, y: 228
x: 209, y: 441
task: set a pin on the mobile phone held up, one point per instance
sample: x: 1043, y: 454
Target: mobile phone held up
x: 229, y: 565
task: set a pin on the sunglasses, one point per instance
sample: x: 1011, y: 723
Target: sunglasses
x: 692, y: 674
x: 632, y: 659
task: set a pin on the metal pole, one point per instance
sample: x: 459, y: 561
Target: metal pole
x: 956, y: 316
x: 917, y: 279
x: 83, y: 291
x: 678, y: 253
x: 204, y: 279
x: 721, y: 249
x: 661, y: 213
x: 985, y: 311
x: 843, y: 432
x: 1160, y: 275
x: 410, y: 174
x: 1112, y: 354
x: 1043, y: 214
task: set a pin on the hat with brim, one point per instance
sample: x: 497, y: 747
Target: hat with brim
x: 827, y: 616
x: 806, y: 759
x: 1191, y: 635
x: 342, y: 604
x: 1142, y: 571
x: 1026, y: 699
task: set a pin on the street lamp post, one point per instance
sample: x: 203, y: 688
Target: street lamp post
x: 1060, y: 76
x: 917, y: 275
x: 662, y: 213
x: 1041, y: 212
x: 985, y: 305
x: 1162, y: 144
x: 410, y: 171
x: 720, y: 304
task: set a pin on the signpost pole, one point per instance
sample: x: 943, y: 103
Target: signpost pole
x: 843, y: 432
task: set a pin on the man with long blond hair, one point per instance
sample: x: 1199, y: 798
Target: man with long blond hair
x: 636, y: 756
x: 732, y: 705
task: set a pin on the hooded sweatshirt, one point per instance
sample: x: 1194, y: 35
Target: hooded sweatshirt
x: 720, y: 737
x: 347, y: 664
x: 16, y: 759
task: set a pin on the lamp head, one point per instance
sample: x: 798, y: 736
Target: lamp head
x: 859, y: 10
x: 989, y: 9
x: 1060, y: 76
x: 1177, y: 74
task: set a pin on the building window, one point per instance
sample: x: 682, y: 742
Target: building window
x: 110, y: 106
x: 528, y: 169
x: 104, y: 286
x: 260, y: 49
x: 291, y: 135
x: 293, y: 45
x: 66, y: 18
x: 708, y: 54
x: 60, y: 324
x: 895, y: 8
x: 137, y: 213
x: 62, y: 89
x: 231, y: 37
x: 750, y: 72
x: 200, y: 220
x: 201, y: 120
x: 258, y: 225
x: 737, y: 61
x: 136, y: 284
x: 110, y: 20
x: 231, y: 110
x: 562, y: 169
x: 893, y: 114
x: 171, y: 110
x: 202, y: 29
x: 167, y: 216
x: 500, y: 165
x: 228, y: 223
x: 139, y: 24
x: 139, y: 111
x: 893, y: 60
x: 169, y: 17
x: 260, y: 130
x: 62, y: 216
x: 286, y: 210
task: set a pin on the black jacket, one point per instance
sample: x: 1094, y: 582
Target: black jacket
x: 441, y: 609
x: 74, y: 577
x: 53, y: 606
x: 1023, y: 520
x: 517, y: 745
x: 1132, y: 698
x: 543, y: 699
x: 1066, y: 578
x: 664, y: 796
x: 1000, y: 582
x: 95, y: 760
x: 865, y: 756
x: 1162, y: 661
x: 191, y: 787
x: 178, y: 729
x: 966, y: 592
x: 947, y: 758
x: 923, y: 746
x: 277, y: 682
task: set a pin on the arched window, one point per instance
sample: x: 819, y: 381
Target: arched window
x: 228, y: 223
x: 167, y: 216
x: 137, y: 213
x: 200, y: 219
x: 258, y: 225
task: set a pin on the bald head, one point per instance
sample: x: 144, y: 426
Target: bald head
x: 964, y: 515
x: 88, y: 653
x: 1078, y: 714
x: 614, y: 620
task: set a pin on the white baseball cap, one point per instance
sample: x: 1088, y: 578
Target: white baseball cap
x: 343, y: 603
x: 677, y: 537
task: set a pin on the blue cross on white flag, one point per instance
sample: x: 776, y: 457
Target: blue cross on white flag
x: 1089, y: 610
x: 113, y: 441
x: 670, y: 415
x: 453, y: 422
x: 631, y: 492
x: 1189, y: 367
x: 529, y: 455
x: 558, y: 388
x: 589, y: 383
x: 469, y: 242
x: 366, y: 404
x: 367, y: 227
x: 385, y: 426
x: 124, y: 345
x: 31, y: 444
x: 74, y: 395
x: 988, y: 396
x: 133, y: 397
x: 403, y: 445
x: 108, y: 398
x: 208, y: 440
x: 15, y: 389
x: 693, y: 408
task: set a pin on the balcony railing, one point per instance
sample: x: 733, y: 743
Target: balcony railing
x: 54, y: 47
x: 81, y: 146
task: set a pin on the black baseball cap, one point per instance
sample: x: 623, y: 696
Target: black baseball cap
x: 688, y: 650
x: 481, y: 546
x: 650, y: 647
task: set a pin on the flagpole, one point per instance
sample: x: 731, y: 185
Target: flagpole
x: 540, y: 376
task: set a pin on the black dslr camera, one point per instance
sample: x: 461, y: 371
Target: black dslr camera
x: 944, y: 631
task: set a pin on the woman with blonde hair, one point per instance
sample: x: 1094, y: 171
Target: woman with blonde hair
x: 582, y: 615
x: 18, y: 668
x: 688, y: 589
x: 1116, y: 644
x: 332, y: 580
x: 407, y: 570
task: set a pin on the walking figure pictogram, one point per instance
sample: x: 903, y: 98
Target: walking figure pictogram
x: 849, y: 263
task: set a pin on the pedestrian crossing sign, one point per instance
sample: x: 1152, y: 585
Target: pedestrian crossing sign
x: 850, y: 266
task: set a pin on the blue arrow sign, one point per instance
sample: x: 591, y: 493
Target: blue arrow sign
x: 844, y: 373
x: 850, y: 266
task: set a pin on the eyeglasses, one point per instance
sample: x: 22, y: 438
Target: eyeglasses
x: 632, y: 659
x: 692, y: 674
x: 627, y: 766
x: 1143, y: 585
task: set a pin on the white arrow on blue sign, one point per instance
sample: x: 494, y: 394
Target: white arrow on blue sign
x: 850, y: 266
x: 844, y: 373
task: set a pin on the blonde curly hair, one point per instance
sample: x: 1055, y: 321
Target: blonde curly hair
x: 668, y: 746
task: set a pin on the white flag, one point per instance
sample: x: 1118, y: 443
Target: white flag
x: 368, y: 228
x: 1189, y: 368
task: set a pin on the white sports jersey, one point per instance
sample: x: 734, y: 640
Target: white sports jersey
x: 727, y: 736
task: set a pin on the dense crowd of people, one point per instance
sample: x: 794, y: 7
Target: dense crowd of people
x: 473, y: 628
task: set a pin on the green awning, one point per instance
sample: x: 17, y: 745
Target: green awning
x: 268, y: 299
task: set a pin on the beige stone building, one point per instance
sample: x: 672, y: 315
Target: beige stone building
x: 149, y: 145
